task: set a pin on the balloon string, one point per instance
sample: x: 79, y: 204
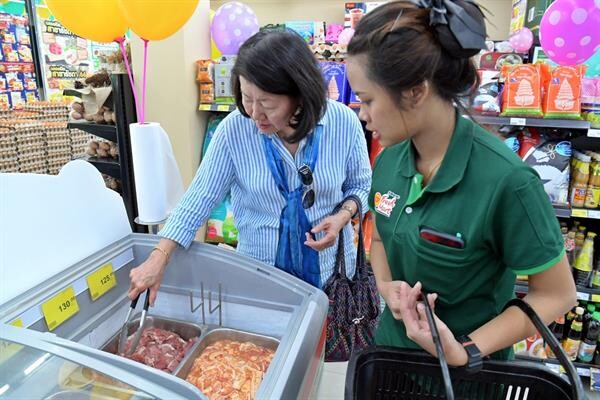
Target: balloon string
x: 126, y: 61
x: 144, y: 81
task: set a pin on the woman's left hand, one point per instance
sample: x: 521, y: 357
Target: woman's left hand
x: 417, y: 328
x: 331, y: 226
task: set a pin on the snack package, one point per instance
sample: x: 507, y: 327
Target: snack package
x: 223, y: 91
x: 550, y: 158
x: 207, y: 93
x: 562, y: 91
x: 334, y: 74
x: 522, y: 95
x: 205, y: 71
x: 353, y: 14
x: 487, y: 96
x: 496, y: 60
x: 590, y: 101
x: 306, y: 29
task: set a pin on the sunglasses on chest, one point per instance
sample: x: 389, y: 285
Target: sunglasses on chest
x: 306, y: 177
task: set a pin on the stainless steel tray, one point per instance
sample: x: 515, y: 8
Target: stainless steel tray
x: 186, y: 330
x: 216, y: 334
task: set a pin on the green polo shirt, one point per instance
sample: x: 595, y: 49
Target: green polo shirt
x: 482, y: 193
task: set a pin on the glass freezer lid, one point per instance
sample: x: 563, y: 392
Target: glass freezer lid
x: 26, y: 372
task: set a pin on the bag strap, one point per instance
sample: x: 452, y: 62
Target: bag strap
x: 550, y: 339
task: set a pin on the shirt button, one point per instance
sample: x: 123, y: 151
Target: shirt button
x: 409, y: 210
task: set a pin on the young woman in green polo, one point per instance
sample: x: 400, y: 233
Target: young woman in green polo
x: 457, y: 213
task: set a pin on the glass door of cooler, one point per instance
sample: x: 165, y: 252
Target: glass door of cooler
x: 35, y: 365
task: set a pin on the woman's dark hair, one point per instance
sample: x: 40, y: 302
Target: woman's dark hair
x: 279, y: 61
x: 403, y: 50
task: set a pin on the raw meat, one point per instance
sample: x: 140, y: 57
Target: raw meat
x: 159, y: 348
x: 230, y: 370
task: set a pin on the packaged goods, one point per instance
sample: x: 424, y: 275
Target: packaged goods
x: 522, y: 95
x: 562, y: 94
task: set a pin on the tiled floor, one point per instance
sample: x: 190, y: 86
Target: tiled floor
x: 333, y: 377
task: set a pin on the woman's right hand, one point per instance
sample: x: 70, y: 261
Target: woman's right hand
x: 147, y: 275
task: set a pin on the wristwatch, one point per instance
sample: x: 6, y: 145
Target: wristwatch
x: 474, y: 361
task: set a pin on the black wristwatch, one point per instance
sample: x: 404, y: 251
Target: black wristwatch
x: 475, y: 361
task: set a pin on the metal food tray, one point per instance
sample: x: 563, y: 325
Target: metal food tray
x: 186, y: 330
x: 217, y: 334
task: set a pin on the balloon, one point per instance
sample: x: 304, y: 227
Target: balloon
x: 345, y: 36
x: 233, y: 23
x: 214, y: 50
x: 97, y: 20
x: 522, y: 40
x: 569, y: 31
x: 154, y: 19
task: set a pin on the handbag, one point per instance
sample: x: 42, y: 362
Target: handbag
x: 353, y: 302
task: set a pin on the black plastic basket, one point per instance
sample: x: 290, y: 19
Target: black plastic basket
x: 390, y: 373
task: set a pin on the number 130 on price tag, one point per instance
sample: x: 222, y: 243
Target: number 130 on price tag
x: 60, y: 308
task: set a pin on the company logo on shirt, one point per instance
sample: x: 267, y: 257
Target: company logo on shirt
x: 384, y: 204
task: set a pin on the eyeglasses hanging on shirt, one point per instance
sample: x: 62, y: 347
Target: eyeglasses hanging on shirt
x: 306, y: 177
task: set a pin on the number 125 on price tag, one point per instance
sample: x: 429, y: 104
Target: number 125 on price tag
x: 60, y: 308
x: 101, y: 281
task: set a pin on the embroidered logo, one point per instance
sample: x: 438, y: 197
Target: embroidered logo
x: 384, y: 204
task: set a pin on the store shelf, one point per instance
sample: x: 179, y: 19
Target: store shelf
x: 539, y: 122
x: 108, y: 132
x: 565, y: 212
x: 217, y: 107
x: 584, y: 294
x: 583, y: 370
x: 106, y: 166
x: 562, y: 212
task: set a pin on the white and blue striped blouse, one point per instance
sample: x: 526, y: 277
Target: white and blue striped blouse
x: 235, y: 160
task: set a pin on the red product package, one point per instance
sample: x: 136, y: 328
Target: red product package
x: 522, y: 95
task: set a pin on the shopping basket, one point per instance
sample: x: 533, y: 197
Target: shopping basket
x: 390, y: 373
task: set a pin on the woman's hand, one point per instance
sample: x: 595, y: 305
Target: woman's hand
x: 331, y: 226
x: 147, y: 275
x: 417, y: 327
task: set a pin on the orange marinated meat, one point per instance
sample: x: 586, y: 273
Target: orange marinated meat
x: 230, y: 369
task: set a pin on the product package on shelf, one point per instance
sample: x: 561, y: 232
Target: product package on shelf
x: 522, y: 93
x: 206, y: 81
x: 562, y: 91
x: 353, y: 14
x: 550, y: 156
x: 590, y: 101
x: 334, y: 74
x: 222, y: 76
x: 487, y: 96
x: 221, y: 224
x: 311, y: 31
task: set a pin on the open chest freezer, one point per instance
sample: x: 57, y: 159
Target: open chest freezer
x: 215, y: 290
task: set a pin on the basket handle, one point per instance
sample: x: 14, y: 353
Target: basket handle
x: 548, y: 336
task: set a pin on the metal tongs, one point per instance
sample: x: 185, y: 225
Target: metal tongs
x: 438, y: 348
x: 138, y: 333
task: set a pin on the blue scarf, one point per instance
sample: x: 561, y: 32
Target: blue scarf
x: 292, y: 255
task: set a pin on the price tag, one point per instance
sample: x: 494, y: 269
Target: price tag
x: 579, y: 213
x: 596, y: 298
x: 223, y: 108
x: 8, y: 349
x: 204, y: 107
x: 553, y: 367
x: 518, y: 121
x: 583, y: 296
x: 594, y: 133
x: 594, y: 214
x: 101, y: 281
x: 60, y: 308
x: 583, y: 372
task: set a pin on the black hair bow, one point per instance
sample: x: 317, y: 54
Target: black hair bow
x: 460, y: 25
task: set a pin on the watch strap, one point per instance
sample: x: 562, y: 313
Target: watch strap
x: 474, y: 360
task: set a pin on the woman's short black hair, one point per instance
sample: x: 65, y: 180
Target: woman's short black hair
x: 279, y: 61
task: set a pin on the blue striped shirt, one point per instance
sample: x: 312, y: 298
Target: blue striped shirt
x: 235, y: 161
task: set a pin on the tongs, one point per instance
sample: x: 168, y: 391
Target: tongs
x: 438, y: 348
x: 138, y: 333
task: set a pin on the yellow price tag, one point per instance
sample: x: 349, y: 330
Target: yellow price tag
x: 60, y: 308
x: 204, y: 107
x: 8, y: 349
x: 596, y: 298
x: 223, y: 108
x: 579, y: 213
x: 101, y: 281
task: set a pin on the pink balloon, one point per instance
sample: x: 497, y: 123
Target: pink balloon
x: 570, y: 31
x: 346, y: 36
x: 522, y: 40
x: 233, y: 23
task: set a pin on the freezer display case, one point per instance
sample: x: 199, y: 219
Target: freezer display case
x: 58, y: 339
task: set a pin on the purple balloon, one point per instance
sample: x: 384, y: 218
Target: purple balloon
x: 522, y: 40
x: 570, y: 31
x: 232, y: 25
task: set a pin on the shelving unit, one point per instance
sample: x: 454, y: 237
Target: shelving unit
x: 119, y: 133
x: 536, y: 122
x: 584, y: 294
x: 583, y: 370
